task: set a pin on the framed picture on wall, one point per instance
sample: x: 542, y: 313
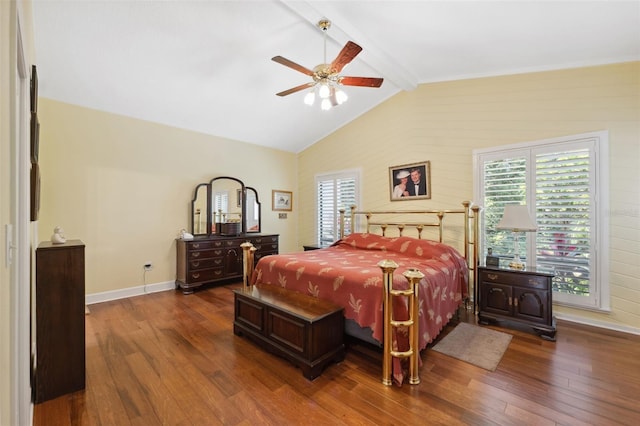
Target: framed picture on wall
x: 35, y: 137
x: 35, y: 192
x: 410, y: 181
x: 34, y: 89
x: 282, y: 200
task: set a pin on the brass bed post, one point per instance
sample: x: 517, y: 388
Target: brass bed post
x: 353, y: 219
x: 341, y: 223
x: 387, y: 266
x: 466, y: 205
x: 412, y: 323
x: 248, y: 251
x: 476, y: 252
x: 440, y: 225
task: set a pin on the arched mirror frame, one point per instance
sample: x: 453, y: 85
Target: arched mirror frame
x: 205, y: 189
x: 200, y: 217
x: 258, y: 207
x: 213, y: 215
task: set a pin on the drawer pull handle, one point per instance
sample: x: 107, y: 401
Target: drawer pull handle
x: 196, y: 254
x: 218, y: 272
x: 196, y: 245
x: 195, y: 276
x: 492, y: 276
x: 532, y: 281
x: 510, y: 301
x: 218, y: 261
x: 195, y: 264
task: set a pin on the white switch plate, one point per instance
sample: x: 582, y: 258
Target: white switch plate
x: 8, y: 246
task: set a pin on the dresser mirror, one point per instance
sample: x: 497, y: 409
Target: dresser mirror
x: 253, y: 210
x: 199, y: 211
x: 224, y: 206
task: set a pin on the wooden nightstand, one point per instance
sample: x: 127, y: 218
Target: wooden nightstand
x: 513, y: 295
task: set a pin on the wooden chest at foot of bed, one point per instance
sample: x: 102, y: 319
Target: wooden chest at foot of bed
x: 306, y: 330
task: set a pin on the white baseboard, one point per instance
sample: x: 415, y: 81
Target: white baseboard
x: 129, y: 292
x: 599, y: 324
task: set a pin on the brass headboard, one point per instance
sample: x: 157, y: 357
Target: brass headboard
x: 420, y: 221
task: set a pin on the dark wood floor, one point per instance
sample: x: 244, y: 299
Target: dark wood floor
x: 167, y: 358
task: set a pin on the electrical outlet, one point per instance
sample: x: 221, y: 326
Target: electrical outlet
x: 148, y: 265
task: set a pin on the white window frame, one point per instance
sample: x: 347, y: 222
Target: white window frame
x: 342, y: 174
x: 599, y: 283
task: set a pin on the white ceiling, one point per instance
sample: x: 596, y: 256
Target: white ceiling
x: 206, y: 65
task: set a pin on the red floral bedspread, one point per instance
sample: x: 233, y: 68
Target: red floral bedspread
x: 347, y: 274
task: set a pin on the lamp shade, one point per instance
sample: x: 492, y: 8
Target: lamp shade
x: 517, y: 218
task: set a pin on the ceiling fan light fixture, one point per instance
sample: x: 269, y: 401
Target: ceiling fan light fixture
x: 323, y: 91
x: 341, y: 96
x: 326, y: 104
x: 310, y: 98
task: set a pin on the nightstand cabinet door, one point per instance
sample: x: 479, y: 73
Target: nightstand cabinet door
x: 512, y: 295
x: 496, y: 298
x: 532, y: 305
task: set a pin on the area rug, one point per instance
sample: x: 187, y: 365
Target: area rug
x: 476, y: 345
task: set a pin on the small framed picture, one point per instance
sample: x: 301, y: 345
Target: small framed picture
x: 34, y: 89
x: 282, y: 200
x: 410, y: 181
x: 35, y: 137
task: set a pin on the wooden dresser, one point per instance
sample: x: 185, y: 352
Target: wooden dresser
x: 60, y: 327
x: 209, y: 259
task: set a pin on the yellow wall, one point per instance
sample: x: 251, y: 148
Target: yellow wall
x: 124, y: 187
x: 444, y: 122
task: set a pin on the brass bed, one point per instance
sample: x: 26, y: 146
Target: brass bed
x: 381, y: 244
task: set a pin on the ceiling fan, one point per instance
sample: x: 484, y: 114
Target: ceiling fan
x: 326, y: 77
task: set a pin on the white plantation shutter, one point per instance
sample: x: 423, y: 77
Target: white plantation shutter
x: 564, y: 200
x: 559, y: 181
x: 334, y: 191
x: 505, y: 183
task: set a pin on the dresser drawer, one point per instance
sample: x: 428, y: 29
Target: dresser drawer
x: 201, y: 245
x: 503, y: 277
x: 204, y: 254
x: 205, y: 275
x: 215, y: 262
x: 266, y: 240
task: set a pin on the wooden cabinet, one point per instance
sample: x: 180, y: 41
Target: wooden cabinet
x: 209, y: 259
x: 60, y: 327
x: 307, y: 331
x: 523, y: 296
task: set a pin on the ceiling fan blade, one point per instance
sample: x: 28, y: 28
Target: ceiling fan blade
x: 296, y: 89
x: 346, y: 55
x: 361, y: 81
x: 291, y: 64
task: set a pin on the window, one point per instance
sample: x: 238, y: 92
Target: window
x: 335, y: 191
x: 563, y: 178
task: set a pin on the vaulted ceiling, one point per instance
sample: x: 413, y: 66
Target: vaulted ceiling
x: 206, y: 65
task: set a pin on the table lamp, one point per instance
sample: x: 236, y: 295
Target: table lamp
x: 516, y: 219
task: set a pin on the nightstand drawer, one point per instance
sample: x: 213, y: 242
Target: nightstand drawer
x: 515, y: 278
